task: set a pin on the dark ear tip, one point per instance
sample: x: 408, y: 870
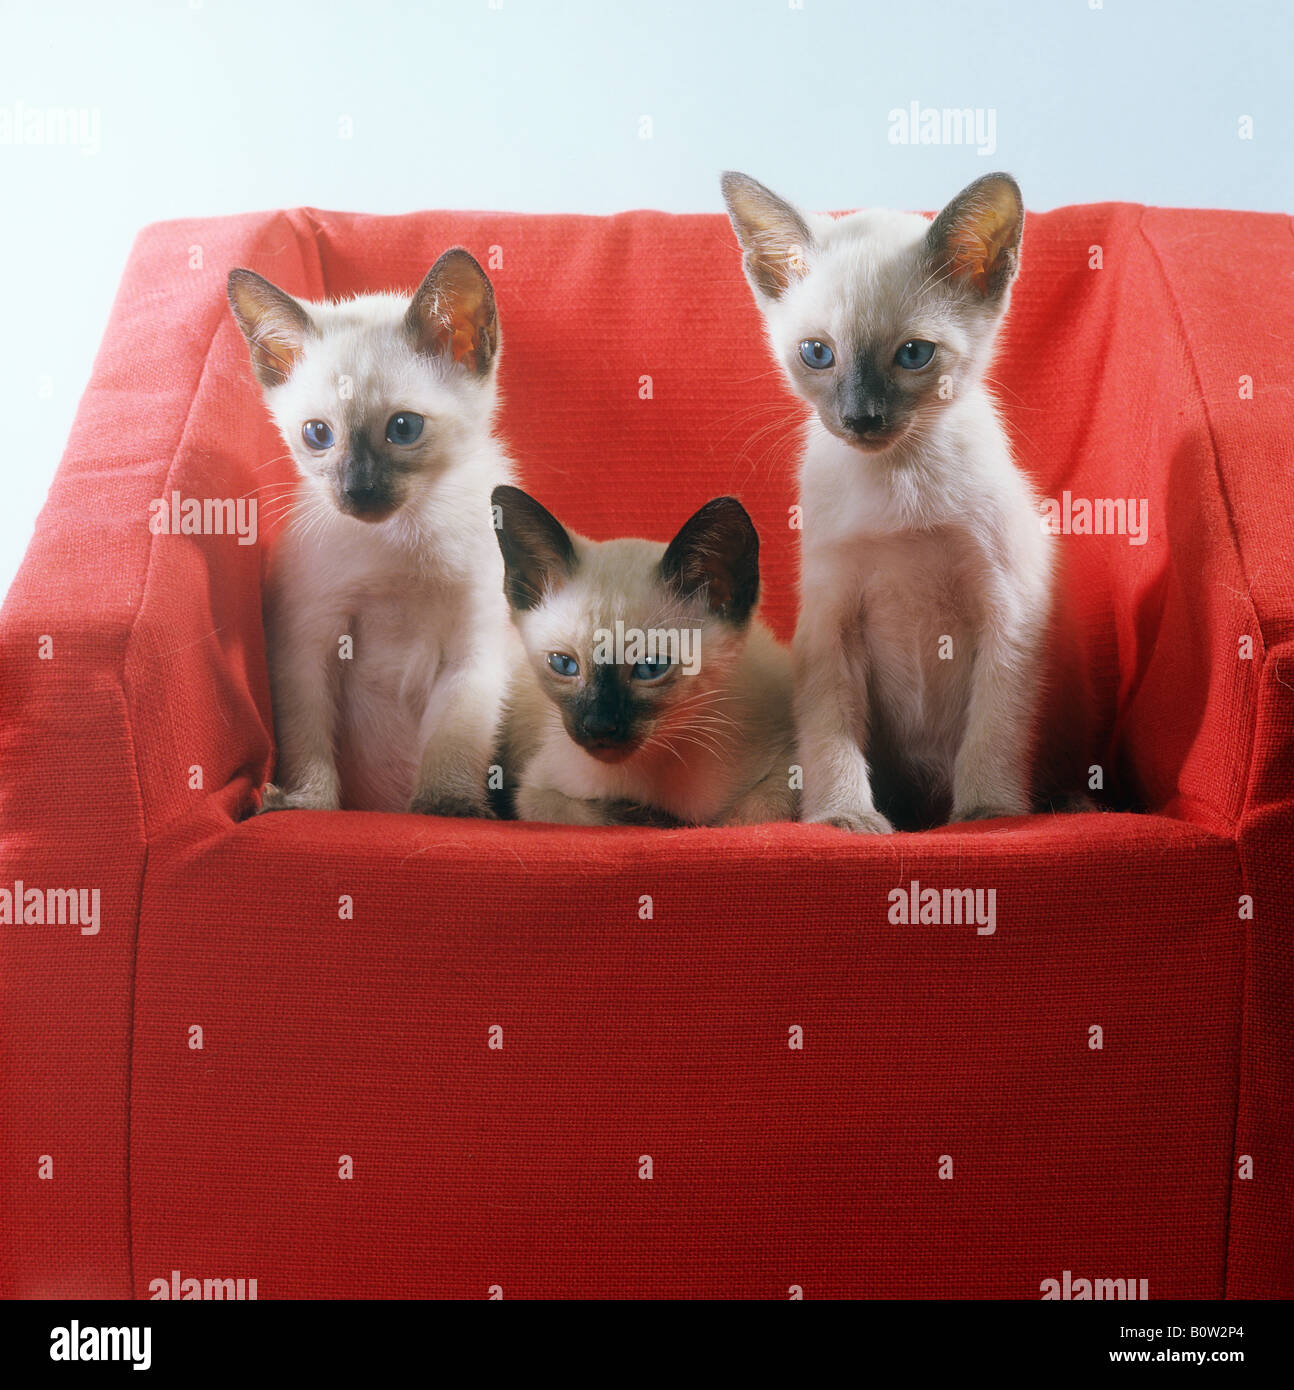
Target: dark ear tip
x: 728, y: 503
x: 737, y: 189
x: 735, y: 185
x: 1002, y: 177
x: 240, y: 278
x: 505, y: 492
x: 732, y: 511
x: 716, y: 551
x: 462, y: 256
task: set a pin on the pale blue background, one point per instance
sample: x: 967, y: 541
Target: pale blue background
x: 214, y: 106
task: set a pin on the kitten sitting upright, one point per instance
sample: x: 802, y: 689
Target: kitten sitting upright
x: 388, y: 637
x: 648, y: 694
x: 925, y: 575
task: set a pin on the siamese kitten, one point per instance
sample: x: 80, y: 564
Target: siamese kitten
x: 925, y: 575
x: 647, y: 692
x: 388, y: 636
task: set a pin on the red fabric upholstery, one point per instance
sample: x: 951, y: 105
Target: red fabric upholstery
x: 625, y: 1036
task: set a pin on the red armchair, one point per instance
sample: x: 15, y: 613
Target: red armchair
x: 948, y: 1127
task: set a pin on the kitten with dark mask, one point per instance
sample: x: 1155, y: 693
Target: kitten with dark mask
x: 389, y: 642
x: 648, y: 692
x: 925, y: 576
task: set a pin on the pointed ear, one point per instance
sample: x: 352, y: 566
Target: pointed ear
x: 453, y: 313
x: 773, y: 235
x: 976, y: 238
x: 715, y: 556
x: 538, y: 556
x: 273, y: 323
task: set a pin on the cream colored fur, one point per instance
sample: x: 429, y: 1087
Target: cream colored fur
x: 717, y: 745
x: 411, y: 719
x: 935, y: 536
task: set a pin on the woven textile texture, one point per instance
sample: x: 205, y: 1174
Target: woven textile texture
x: 947, y: 1128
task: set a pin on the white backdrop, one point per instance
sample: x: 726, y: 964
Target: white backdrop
x: 198, y: 107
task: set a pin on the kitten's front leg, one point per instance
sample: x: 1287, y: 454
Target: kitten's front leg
x: 991, y: 770
x: 770, y: 799
x: 830, y: 702
x: 548, y: 804
x: 303, y: 691
x: 462, y: 732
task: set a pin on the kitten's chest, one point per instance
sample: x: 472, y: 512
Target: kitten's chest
x: 397, y: 634
x: 391, y: 611
x: 393, y: 615
x: 911, y: 583
x: 918, y: 610
x: 393, y: 649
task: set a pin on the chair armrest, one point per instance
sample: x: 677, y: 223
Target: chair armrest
x: 1148, y: 400
x: 1229, y: 278
x: 1224, y: 275
x: 171, y: 420
x: 128, y: 659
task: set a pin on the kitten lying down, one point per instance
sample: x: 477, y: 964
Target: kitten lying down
x: 648, y: 693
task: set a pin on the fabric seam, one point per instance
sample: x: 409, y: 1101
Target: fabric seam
x: 129, y: 704
x: 1246, y: 803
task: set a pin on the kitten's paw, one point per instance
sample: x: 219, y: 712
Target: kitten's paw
x: 1071, y: 804
x: 634, y: 813
x: 856, y: 822
x: 452, y: 804
x: 986, y: 812
x: 763, y: 806
x: 274, y: 798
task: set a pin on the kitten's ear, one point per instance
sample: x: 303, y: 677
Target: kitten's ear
x: 453, y: 312
x: 537, y: 553
x: 773, y: 235
x: 976, y: 238
x: 715, y: 556
x: 273, y: 323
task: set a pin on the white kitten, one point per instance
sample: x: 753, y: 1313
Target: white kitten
x: 925, y: 572
x: 388, y: 634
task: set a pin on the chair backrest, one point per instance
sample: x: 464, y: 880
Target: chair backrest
x: 637, y: 384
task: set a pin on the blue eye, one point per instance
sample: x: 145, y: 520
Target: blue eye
x: 816, y: 355
x: 564, y: 665
x: 403, y: 428
x: 650, y: 670
x: 317, y: 434
x: 914, y: 355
